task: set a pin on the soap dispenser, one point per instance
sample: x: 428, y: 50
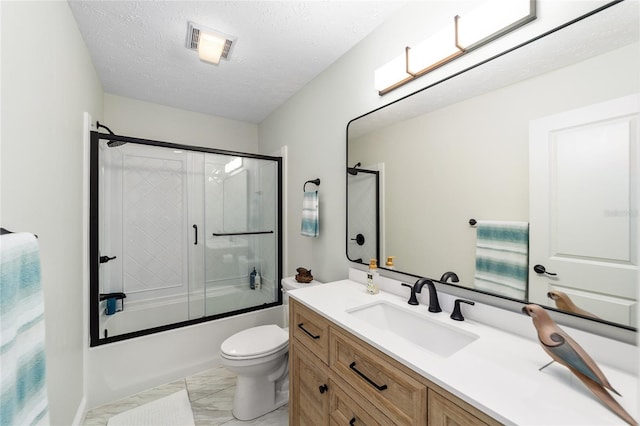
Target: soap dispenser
x: 389, y: 264
x: 373, y: 277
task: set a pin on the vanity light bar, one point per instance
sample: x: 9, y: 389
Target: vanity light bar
x: 491, y: 20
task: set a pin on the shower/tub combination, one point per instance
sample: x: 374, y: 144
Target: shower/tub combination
x: 176, y: 232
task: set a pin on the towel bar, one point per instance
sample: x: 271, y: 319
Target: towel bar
x: 313, y: 181
x: 4, y: 231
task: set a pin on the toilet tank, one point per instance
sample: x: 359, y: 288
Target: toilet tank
x: 290, y: 283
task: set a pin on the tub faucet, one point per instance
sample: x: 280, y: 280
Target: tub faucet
x: 449, y: 274
x: 434, y: 304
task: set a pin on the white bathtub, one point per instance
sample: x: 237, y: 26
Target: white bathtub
x: 123, y: 368
x: 146, y: 314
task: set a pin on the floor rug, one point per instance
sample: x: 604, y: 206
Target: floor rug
x: 172, y: 410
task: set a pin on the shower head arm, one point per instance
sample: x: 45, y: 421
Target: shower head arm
x: 98, y: 125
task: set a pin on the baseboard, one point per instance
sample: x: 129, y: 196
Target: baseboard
x: 81, y: 412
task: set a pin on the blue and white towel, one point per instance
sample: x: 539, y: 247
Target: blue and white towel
x: 310, y: 214
x: 23, y: 391
x: 502, y: 256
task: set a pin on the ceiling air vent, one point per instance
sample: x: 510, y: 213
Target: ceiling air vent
x: 193, y: 37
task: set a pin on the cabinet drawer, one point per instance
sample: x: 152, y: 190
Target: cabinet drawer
x: 373, y: 374
x: 344, y: 410
x: 446, y: 410
x: 311, y: 329
x: 443, y: 412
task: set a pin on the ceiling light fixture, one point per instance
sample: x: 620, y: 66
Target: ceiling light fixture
x: 492, y: 19
x: 211, y: 45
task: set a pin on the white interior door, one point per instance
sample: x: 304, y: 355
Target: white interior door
x: 584, y: 207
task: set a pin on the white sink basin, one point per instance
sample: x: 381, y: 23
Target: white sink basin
x: 417, y: 329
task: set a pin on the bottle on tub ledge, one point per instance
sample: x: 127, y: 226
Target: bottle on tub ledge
x: 252, y: 279
x: 258, y: 281
x: 372, y: 277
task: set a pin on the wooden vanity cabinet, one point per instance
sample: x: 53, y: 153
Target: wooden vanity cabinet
x: 337, y: 379
x: 447, y: 410
x: 379, y: 378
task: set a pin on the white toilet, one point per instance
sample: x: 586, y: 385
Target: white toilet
x: 259, y: 356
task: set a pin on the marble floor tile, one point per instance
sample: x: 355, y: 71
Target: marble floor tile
x: 211, y: 394
x: 209, y: 382
x: 279, y: 417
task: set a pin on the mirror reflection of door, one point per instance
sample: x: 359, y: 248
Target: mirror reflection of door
x: 584, y: 209
x: 363, y: 205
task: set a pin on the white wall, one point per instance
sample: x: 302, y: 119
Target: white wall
x: 313, y: 122
x: 130, y: 117
x: 48, y: 80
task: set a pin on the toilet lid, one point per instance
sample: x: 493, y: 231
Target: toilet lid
x: 261, y: 340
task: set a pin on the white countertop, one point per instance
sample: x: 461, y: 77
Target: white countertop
x: 498, y: 372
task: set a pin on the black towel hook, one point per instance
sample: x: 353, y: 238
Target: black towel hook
x: 313, y: 181
x: 472, y: 222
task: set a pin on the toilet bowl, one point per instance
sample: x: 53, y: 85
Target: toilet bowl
x: 259, y: 356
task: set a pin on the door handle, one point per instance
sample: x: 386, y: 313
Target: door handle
x: 195, y: 232
x: 324, y: 388
x: 105, y: 259
x: 539, y: 269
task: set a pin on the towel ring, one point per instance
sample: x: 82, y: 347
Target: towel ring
x: 313, y: 181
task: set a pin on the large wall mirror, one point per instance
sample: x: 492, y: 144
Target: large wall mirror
x: 543, y: 138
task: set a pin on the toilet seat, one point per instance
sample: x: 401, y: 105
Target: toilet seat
x: 255, y: 342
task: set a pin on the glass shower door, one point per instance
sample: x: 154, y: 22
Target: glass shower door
x: 176, y: 232
x: 241, y: 228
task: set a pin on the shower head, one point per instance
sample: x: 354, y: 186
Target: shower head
x: 352, y: 170
x: 110, y: 144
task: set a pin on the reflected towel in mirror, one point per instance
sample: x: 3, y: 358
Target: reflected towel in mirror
x: 310, y: 216
x: 502, y: 255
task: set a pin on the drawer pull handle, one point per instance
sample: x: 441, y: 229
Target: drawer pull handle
x: 306, y: 331
x: 323, y: 388
x: 352, y: 421
x: 374, y: 384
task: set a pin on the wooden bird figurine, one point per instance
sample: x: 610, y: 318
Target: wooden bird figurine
x: 564, y: 303
x: 563, y: 349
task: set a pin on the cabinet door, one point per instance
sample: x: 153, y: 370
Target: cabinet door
x: 443, y: 412
x: 309, y: 381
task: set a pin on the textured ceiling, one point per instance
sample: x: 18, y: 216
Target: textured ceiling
x: 138, y: 49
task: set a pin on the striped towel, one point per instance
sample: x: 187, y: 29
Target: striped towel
x: 310, y: 216
x: 23, y: 391
x: 502, y: 256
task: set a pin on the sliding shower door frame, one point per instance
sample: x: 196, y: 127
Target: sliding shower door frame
x: 94, y: 242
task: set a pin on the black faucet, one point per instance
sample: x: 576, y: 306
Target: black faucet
x: 414, y: 289
x: 457, y: 313
x: 434, y: 304
x: 449, y: 274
